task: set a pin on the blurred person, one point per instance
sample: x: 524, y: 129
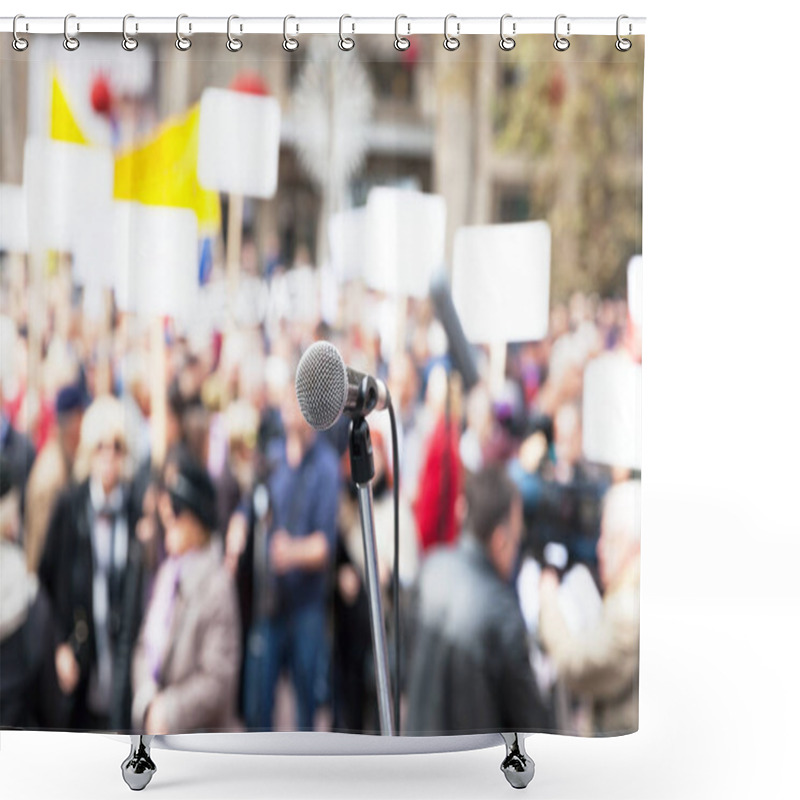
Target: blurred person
x: 91, y: 567
x: 439, y: 481
x: 276, y: 380
x: 473, y: 441
x: 186, y: 660
x: 237, y: 481
x: 16, y: 447
x: 353, y: 658
x: 292, y: 588
x: 603, y: 662
x: 469, y: 670
x: 29, y: 694
x: 136, y: 399
x: 52, y: 470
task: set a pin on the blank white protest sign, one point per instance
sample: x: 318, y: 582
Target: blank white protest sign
x: 239, y: 142
x: 13, y: 219
x: 405, y: 232
x: 69, y: 190
x: 612, y: 392
x: 155, y: 260
x: 347, y: 235
x: 501, y: 281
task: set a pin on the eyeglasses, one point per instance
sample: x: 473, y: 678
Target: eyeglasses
x: 116, y: 445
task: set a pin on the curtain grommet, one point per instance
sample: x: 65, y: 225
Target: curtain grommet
x: 182, y: 42
x: 346, y: 43
x: 623, y: 45
x: 401, y: 43
x: 451, y: 43
x: 290, y: 44
x: 233, y: 44
x: 70, y: 43
x: 18, y: 43
x: 560, y: 43
x: 129, y: 43
x: 507, y: 42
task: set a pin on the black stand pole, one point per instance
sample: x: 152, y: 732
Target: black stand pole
x: 362, y: 469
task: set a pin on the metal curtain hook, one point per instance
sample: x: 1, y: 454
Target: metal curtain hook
x: 401, y: 42
x: 233, y: 44
x: 507, y: 42
x: 289, y: 42
x: 623, y: 45
x: 129, y: 42
x: 70, y: 42
x: 451, y: 42
x: 346, y: 42
x: 18, y: 43
x: 181, y: 42
x: 561, y: 44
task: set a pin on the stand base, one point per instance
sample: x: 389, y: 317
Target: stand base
x: 517, y: 766
x: 138, y: 768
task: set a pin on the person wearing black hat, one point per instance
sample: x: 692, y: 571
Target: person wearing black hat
x: 52, y: 470
x: 186, y: 661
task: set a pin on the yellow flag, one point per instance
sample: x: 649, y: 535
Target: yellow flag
x: 63, y: 125
x: 163, y: 171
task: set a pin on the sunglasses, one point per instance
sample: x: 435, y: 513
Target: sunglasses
x: 117, y: 446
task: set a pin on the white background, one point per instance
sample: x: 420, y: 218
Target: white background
x: 720, y: 600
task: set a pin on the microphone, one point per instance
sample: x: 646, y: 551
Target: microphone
x: 327, y: 388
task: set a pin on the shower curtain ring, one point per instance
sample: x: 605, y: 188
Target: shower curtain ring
x: 70, y: 42
x: 451, y: 42
x: 507, y: 42
x: 623, y: 45
x: 290, y: 44
x: 233, y: 44
x: 401, y: 42
x: 18, y: 43
x: 129, y: 43
x: 181, y: 42
x: 561, y: 44
x: 346, y: 42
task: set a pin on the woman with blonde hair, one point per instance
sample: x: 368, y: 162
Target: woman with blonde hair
x: 92, y: 569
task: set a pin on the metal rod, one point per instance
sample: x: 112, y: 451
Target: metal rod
x: 375, y: 608
x: 634, y: 26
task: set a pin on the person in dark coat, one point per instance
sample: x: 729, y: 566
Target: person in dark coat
x: 469, y: 667
x: 92, y: 569
x: 29, y: 695
x: 19, y: 454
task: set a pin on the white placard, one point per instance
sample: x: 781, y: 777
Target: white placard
x: 13, y: 219
x: 239, y: 143
x: 501, y: 281
x: 69, y: 188
x: 635, y: 290
x: 405, y: 240
x: 347, y: 234
x: 155, y: 259
x: 612, y: 392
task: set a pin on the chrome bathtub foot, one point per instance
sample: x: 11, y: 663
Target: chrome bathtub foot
x: 138, y: 768
x: 517, y: 766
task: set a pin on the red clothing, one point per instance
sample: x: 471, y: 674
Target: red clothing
x: 439, y: 487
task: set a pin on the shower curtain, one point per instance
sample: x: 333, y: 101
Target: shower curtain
x: 181, y: 551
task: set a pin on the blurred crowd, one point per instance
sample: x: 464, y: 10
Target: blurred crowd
x: 182, y: 552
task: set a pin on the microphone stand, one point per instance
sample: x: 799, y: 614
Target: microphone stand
x: 362, y: 469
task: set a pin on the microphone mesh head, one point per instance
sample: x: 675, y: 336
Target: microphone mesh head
x: 321, y: 385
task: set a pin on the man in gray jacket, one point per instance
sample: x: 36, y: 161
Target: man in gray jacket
x: 469, y: 669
